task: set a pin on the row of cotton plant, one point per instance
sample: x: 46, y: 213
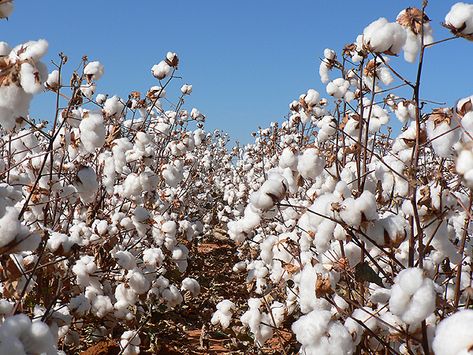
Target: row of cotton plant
x: 99, y: 208
x: 353, y: 236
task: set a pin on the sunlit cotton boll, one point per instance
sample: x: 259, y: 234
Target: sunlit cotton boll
x: 338, y: 88
x: 460, y: 18
x: 224, y: 313
x: 310, y: 164
x: 93, y: 71
x: 86, y: 184
x: 130, y: 342
x: 412, y: 296
x: 454, y: 334
x: 18, y: 335
x: 92, y: 131
x: 382, y: 36
x: 161, y: 70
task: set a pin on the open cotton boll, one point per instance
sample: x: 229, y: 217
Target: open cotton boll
x: 441, y: 133
x: 310, y: 164
x: 31, y: 50
x: 338, y: 88
x: 191, y: 285
x: 30, y: 79
x: 328, y: 127
x: 412, y: 296
x: 223, y: 314
x: 318, y: 334
x: 416, y: 23
x: 153, y: 257
x: 460, y: 19
x: 10, y: 226
x: 186, y: 89
x: 311, y: 98
x: 271, y: 192
x: 130, y: 342
x: 161, y: 70
x: 454, y: 334
x: 14, y: 103
x: 288, y: 159
x: 180, y: 254
x: 86, y: 184
x: 93, y: 71
x: 124, y: 297
x: 88, y: 90
x: 382, y: 36
x: 356, y: 329
x: 172, y: 296
x: 92, y: 131
x: 18, y: 335
x: 326, y: 65
x: 125, y: 259
x: 113, y: 106
x: 405, y: 111
x: 83, y: 268
x: 52, y: 82
x: 137, y: 281
x: 464, y: 165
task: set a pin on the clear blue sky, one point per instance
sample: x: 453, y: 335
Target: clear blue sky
x: 246, y: 59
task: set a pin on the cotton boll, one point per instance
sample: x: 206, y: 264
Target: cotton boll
x: 326, y: 65
x: 288, y: 159
x: 223, y: 315
x: 186, y: 89
x: 271, y: 192
x: 441, y: 132
x: 454, y: 334
x: 405, y: 111
x: 319, y: 335
x: 93, y: 71
x: 130, y: 342
x: 338, y: 88
x: 464, y: 165
x: 153, y: 257
x: 328, y: 127
x: 21, y: 336
x: 88, y: 90
x: 10, y: 226
x: 86, y: 184
x: 138, y: 281
x: 179, y: 255
x: 412, y: 296
x: 92, y: 131
x: 191, y: 285
x: 125, y: 259
x: 460, y: 19
x: 113, y: 106
x: 100, y: 99
x: 172, y: 296
x: 32, y: 50
x: 161, y: 70
x: 356, y: 329
x: 310, y: 164
x: 382, y: 36
x: 312, y: 98
x: 30, y: 79
x: 52, y: 82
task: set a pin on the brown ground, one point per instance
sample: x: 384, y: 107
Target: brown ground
x: 187, y: 329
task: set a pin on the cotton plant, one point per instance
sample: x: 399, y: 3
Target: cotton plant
x: 333, y: 198
x: 110, y: 188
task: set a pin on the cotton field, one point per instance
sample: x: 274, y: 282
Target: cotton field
x: 349, y: 236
